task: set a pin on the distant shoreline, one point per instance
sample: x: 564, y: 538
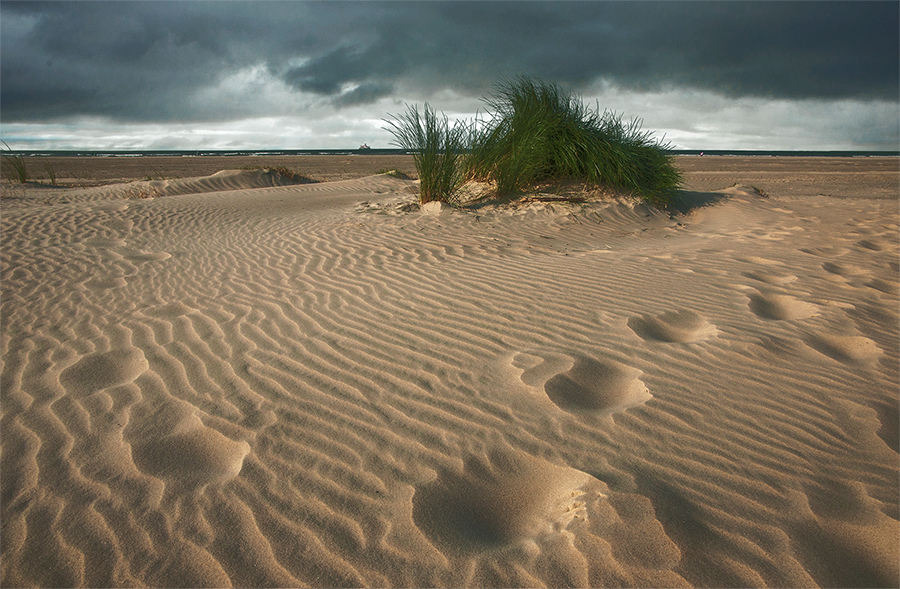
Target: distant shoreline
x: 868, y: 177
x: 391, y: 151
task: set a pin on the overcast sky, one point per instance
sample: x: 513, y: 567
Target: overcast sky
x: 297, y: 75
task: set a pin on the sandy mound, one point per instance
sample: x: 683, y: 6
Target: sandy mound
x: 225, y: 180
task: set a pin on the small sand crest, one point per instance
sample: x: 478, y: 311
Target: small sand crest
x: 220, y: 182
x: 842, y: 269
x: 141, y: 190
x: 770, y: 277
x: 188, y: 565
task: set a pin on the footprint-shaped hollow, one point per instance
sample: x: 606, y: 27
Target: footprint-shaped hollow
x: 780, y: 307
x: 496, y: 503
x: 846, y: 349
x: 673, y: 326
x: 198, y: 456
x: 103, y: 370
x: 597, y: 386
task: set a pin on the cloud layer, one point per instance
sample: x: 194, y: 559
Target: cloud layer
x: 210, y: 63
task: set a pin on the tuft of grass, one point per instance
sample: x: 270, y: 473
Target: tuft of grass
x: 438, y: 149
x: 83, y: 181
x: 540, y: 133
x: 51, y: 173
x: 536, y: 134
x: 13, y: 166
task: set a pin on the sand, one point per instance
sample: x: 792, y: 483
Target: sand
x: 218, y: 380
x: 91, y: 171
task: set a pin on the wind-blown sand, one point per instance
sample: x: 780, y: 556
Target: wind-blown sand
x: 249, y: 384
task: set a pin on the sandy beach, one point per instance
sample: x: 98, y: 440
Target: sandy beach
x: 212, y: 377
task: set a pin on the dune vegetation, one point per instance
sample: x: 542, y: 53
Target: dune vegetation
x: 536, y: 132
x: 439, y: 151
x: 14, y: 168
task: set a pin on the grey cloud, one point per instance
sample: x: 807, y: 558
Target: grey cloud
x: 142, y: 61
x: 103, y: 59
x: 328, y: 74
x: 366, y: 93
x: 788, y: 50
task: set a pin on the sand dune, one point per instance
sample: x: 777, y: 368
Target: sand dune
x: 245, y: 384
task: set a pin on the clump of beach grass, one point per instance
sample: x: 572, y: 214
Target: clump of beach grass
x: 51, y: 172
x: 537, y: 132
x: 439, y: 151
x: 14, y: 168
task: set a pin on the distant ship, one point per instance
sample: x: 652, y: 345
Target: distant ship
x: 364, y: 147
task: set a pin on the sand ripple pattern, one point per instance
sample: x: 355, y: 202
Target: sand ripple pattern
x: 318, y: 386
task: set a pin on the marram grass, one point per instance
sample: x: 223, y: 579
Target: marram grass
x: 536, y: 133
x: 438, y: 151
x: 14, y: 168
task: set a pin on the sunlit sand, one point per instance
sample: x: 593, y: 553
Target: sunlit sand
x: 222, y: 379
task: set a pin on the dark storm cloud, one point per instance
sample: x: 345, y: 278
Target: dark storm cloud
x: 146, y: 61
x: 364, y: 94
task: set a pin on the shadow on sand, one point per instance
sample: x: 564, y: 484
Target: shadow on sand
x: 687, y: 201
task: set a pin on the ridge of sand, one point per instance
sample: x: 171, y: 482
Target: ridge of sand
x: 319, y: 385
x: 222, y: 181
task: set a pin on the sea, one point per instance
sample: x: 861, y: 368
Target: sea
x: 389, y: 151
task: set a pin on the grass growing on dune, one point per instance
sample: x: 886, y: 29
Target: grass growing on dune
x: 536, y: 133
x: 14, y: 168
x: 539, y: 132
x: 438, y: 150
x: 51, y: 172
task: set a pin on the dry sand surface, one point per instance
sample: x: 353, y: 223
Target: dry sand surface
x: 232, y: 382
x: 88, y: 171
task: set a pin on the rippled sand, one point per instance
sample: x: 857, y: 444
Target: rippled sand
x: 223, y: 381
